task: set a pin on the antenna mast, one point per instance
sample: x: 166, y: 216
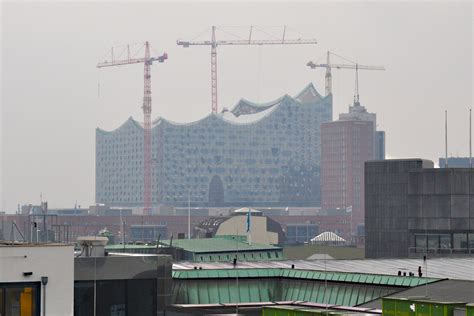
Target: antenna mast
x: 470, y: 138
x: 446, y: 137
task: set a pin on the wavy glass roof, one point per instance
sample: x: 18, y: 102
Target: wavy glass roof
x: 244, y: 112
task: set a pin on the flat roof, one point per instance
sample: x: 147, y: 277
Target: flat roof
x: 442, y: 291
x: 126, y: 246
x: 213, y: 245
x: 36, y: 245
x: 441, y: 268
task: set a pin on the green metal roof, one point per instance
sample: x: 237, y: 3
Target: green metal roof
x: 214, y: 245
x: 344, y: 277
x: 220, y: 286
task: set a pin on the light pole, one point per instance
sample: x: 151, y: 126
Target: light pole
x: 189, y: 214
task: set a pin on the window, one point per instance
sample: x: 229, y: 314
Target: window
x: 471, y: 240
x: 433, y: 242
x: 445, y: 242
x: 420, y: 243
x: 20, y: 299
x: 116, y: 297
x: 459, y: 242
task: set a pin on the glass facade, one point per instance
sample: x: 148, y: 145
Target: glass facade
x: 20, y: 299
x: 456, y: 242
x: 300, y: 233
x: 148, y: 232
x: 116, y: 297
x: 258, y: 154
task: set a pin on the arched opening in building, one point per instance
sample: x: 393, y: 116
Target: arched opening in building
x: 216, y: 192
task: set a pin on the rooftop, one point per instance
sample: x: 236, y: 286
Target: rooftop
x: 363, y: 278
x: 442, y: 268
x: 4, y: 243
x: 443, y: 291
x: 213, y: 245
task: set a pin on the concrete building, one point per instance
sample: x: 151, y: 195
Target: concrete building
x: 346, y: 145
x: 413, y: 209
x: 255, y: 154
x: 36, y: 279
x: 122, y: 284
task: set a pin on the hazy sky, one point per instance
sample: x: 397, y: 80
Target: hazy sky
x: 50, y: 97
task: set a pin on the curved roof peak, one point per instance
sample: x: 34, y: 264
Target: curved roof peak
x: 309, y: 94
x: 245, y: 106
x: 244, y: 112
x: 130, y: 121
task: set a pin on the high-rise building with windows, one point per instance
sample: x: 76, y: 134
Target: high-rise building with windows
x: 255, y: 154
x: 346, y: 145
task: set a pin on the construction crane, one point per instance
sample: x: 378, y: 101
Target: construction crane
x: 354, y: 65
x: 147, y: 61
x: 214, y: 43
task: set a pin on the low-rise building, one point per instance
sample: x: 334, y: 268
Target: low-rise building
x: 36, y: 279
x: 224, y: 248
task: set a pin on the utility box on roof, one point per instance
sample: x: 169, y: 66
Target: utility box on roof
x: 395, y: 306
x: 288, y: 310
x: 470, y: 310
x: 430, y: 308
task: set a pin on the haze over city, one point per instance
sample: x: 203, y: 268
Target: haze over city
x: 54, y: 97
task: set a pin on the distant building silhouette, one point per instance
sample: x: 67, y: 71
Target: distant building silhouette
x: 455, y: 162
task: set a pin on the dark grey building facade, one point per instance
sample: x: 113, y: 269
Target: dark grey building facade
x: 413, y: 209
x: 122, y: 284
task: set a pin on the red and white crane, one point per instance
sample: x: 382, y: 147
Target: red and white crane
x: 147, y: 61
x: 214, y: 43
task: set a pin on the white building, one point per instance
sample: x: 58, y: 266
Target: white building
x: 36, y: 279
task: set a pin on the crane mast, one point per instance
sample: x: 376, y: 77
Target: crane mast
x: 214, y: 43
x: 146, y: 107
x: 328, y: 65
x: 214, y: 70
x: 328, y: 77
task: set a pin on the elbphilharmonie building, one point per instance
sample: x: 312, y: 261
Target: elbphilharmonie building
x: 264, y: 154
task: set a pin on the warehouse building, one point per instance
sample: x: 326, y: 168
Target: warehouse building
x: 255, y: 154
